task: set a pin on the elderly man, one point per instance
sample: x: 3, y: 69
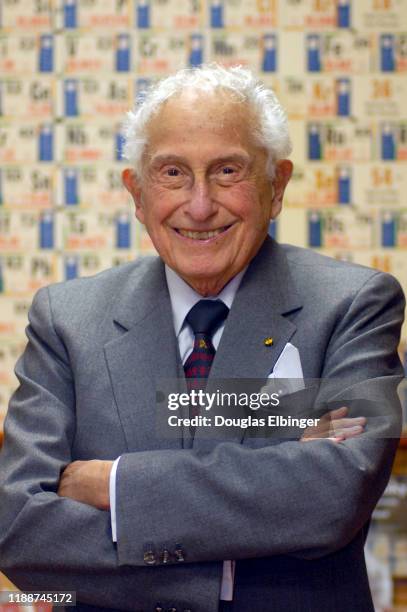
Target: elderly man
x: 92, y: 499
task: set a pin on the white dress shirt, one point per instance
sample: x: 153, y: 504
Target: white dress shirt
x: 183, y: 298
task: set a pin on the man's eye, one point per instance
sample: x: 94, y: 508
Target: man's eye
x: 173, y: 172
x: 227, y: 170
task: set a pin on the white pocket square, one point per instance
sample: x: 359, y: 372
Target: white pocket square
x: 288, y: 371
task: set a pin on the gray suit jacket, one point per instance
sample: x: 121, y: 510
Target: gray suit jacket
x: 293, y: 515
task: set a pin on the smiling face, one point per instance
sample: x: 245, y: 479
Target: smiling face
x: 204, y: 196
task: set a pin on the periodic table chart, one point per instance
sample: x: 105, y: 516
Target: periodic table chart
x: 70, y: 69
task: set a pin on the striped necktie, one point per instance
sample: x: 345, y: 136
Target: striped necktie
x: 204, y: 318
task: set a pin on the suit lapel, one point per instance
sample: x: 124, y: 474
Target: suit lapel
x: 145, y: 353
x: 266, y: 295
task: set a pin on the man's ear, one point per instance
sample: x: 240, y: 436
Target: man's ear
x: 132, y: 184
x: 283, y: 172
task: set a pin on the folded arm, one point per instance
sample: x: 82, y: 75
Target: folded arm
x: 291, y: 498
x: 49, y: 542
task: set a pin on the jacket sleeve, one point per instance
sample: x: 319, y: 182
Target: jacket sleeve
x: 304, y: 499
x: 52, y: 543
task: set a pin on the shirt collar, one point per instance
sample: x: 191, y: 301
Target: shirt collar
x: 183, y: 297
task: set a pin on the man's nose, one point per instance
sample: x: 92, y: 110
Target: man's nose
x: 201, y: 204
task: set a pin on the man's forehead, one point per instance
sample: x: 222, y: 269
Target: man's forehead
x: 199, y: 109
x: 207, y: 120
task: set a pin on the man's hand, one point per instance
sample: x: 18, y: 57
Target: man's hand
x: 334, y: 426
x: 87, y: 482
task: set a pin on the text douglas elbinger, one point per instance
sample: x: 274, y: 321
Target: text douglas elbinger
x: 205, y: 401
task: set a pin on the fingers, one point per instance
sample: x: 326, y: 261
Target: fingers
x: 349, y: 422
x: 335, y: 426
x: 71, y: 468
x: 349, y: 427
x: 67, y: 479
x: 87, y: 482
x: 336, y: 439
x: 328, y: 417
x: 349, y: 432
x: 338, y: 413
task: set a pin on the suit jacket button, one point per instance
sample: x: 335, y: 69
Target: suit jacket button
x: 149, y: 557
x: 179, y: 553
x: 166, y: 557
x: 158, y: 608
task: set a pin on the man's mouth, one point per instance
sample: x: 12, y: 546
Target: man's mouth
x: 202, y: 235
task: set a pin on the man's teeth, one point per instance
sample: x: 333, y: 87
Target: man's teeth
x: 201, y: 235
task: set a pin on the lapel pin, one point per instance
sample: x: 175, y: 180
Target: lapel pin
x: 268, y: 341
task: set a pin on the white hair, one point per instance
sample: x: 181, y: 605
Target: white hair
x: 271, y: 131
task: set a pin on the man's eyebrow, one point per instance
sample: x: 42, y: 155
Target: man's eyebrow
x: 237, y: 157
x: 169, y: 157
